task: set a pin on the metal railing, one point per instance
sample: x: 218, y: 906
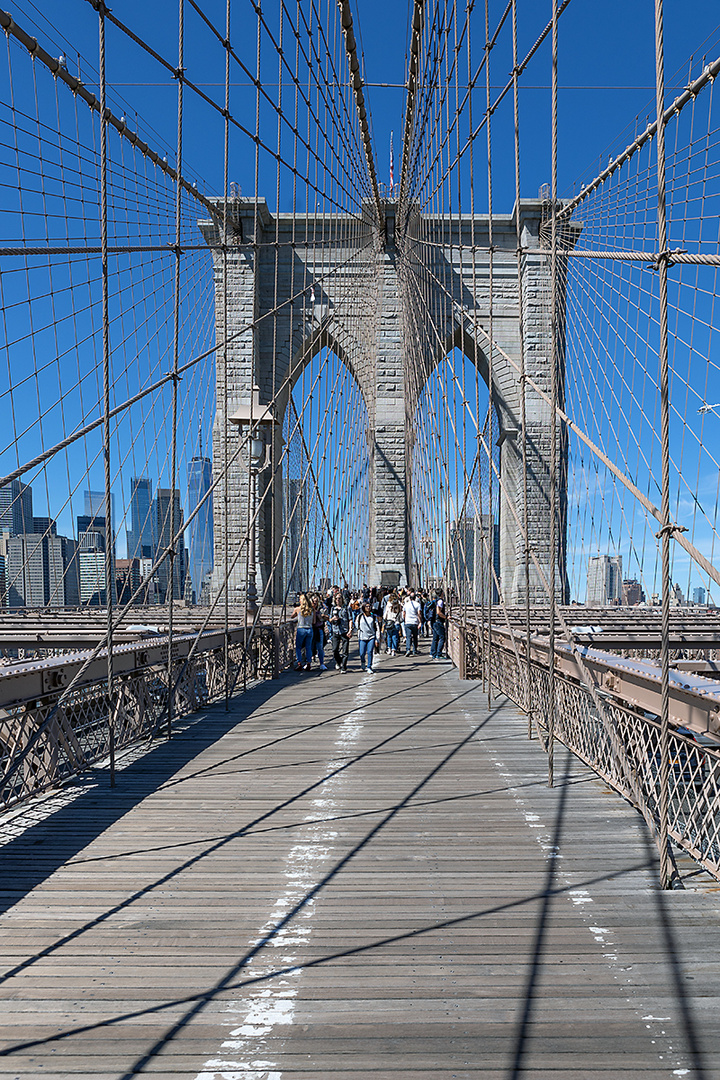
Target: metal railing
x: 49, y: 733
x: 610, y: 731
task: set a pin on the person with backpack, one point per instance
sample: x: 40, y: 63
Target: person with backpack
x: 439, y: 627
x: 422, y: 598
x: 428, y: 614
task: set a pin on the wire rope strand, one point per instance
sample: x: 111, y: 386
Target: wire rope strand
x: 109, y: 562
x: 666, y: 527
x: 224, y: 362
x: 175, y: 364
x: 552, y: 555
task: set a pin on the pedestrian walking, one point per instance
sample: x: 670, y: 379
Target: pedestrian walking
x: 422, y: 599
x: 367, y: 626
x: 304, y: 633
x: 438, y: 621
x: 411, y: 619
x: 341, y: 630
x: 318, y: 641
x: 392, y: 622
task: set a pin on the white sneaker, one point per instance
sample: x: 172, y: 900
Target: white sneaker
x: 323, y: 668
x: 370, y: 671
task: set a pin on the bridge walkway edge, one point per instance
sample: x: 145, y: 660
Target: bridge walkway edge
x: 344, y: 877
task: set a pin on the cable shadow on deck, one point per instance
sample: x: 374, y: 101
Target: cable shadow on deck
x: 195, y: 859
x: 70, y: 828
x: 199, y: 1000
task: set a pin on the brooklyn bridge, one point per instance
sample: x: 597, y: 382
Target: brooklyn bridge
x: 377, y: 342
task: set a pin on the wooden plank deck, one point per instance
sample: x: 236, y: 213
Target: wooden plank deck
x: 350, y: 877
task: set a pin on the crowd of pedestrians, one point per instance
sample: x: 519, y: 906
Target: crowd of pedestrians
x: 394, y: 621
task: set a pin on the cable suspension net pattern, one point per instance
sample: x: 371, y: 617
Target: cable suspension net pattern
x: 612, y: 348
x: 236, y: 367
x: 188, y: 355
x: 560, y: 380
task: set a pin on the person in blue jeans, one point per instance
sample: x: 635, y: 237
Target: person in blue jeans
x: 366, y: 627
x: 304, y: 633
x: 393, y: 622
x: 439, y: 628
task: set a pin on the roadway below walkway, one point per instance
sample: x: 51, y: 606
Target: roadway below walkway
x: 350, y: 878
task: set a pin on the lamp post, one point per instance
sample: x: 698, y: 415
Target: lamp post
x: 257, y: 450
x: 256, y: 421
x: 427, y: 543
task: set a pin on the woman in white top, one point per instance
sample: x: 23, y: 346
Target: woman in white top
x: 411, y: 618
x: 366, y: 627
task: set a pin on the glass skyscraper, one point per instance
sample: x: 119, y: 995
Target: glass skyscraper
x: 141, y: 534
x: 201, y: 527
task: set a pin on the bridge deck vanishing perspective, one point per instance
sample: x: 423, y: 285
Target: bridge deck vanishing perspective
x: 350, y: 877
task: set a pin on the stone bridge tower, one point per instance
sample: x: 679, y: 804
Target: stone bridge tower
x: 271, y: 259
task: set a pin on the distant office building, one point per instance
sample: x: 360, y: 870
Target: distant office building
x: 26, y: 572
x: 42, y: 571
x: 44, y: 525
x: 94, y: 515
x: 92, y: 578
x: 699, y: 595
x: 604, y: 580
x: 632, y: 593
x: 91, y: 533
x: 201, y: 527
x: 677, y: 596
x: 71, y: 569
x: 95, y: 504
x: 4, y: 540
x: 141, y: 534
x: 471, y: 574
x: 151, y: 585
x: 127, y: 580
x: 164, y: 532
x: 16, y: 510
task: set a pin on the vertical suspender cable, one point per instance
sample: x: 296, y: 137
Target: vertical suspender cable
x: 176, y: 350
x: 553, y: 410
x: 666, y: 527
x: 109, y: 561
x: 523, y: 385
x: 490, y: 549
x: 225, y: 431
x: 250, y: 601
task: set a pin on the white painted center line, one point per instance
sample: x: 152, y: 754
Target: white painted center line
x: 263, y: 1013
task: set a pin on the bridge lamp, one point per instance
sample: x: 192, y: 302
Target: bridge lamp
x: 256, y: 421
x: 258, y: 446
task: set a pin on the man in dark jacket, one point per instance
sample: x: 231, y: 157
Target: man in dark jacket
x: 340, y: 628
x: 439, y: 627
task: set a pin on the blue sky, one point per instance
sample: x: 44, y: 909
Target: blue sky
x: 606, y: 73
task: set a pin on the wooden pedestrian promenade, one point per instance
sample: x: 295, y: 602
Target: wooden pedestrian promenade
x: 350, y: 878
